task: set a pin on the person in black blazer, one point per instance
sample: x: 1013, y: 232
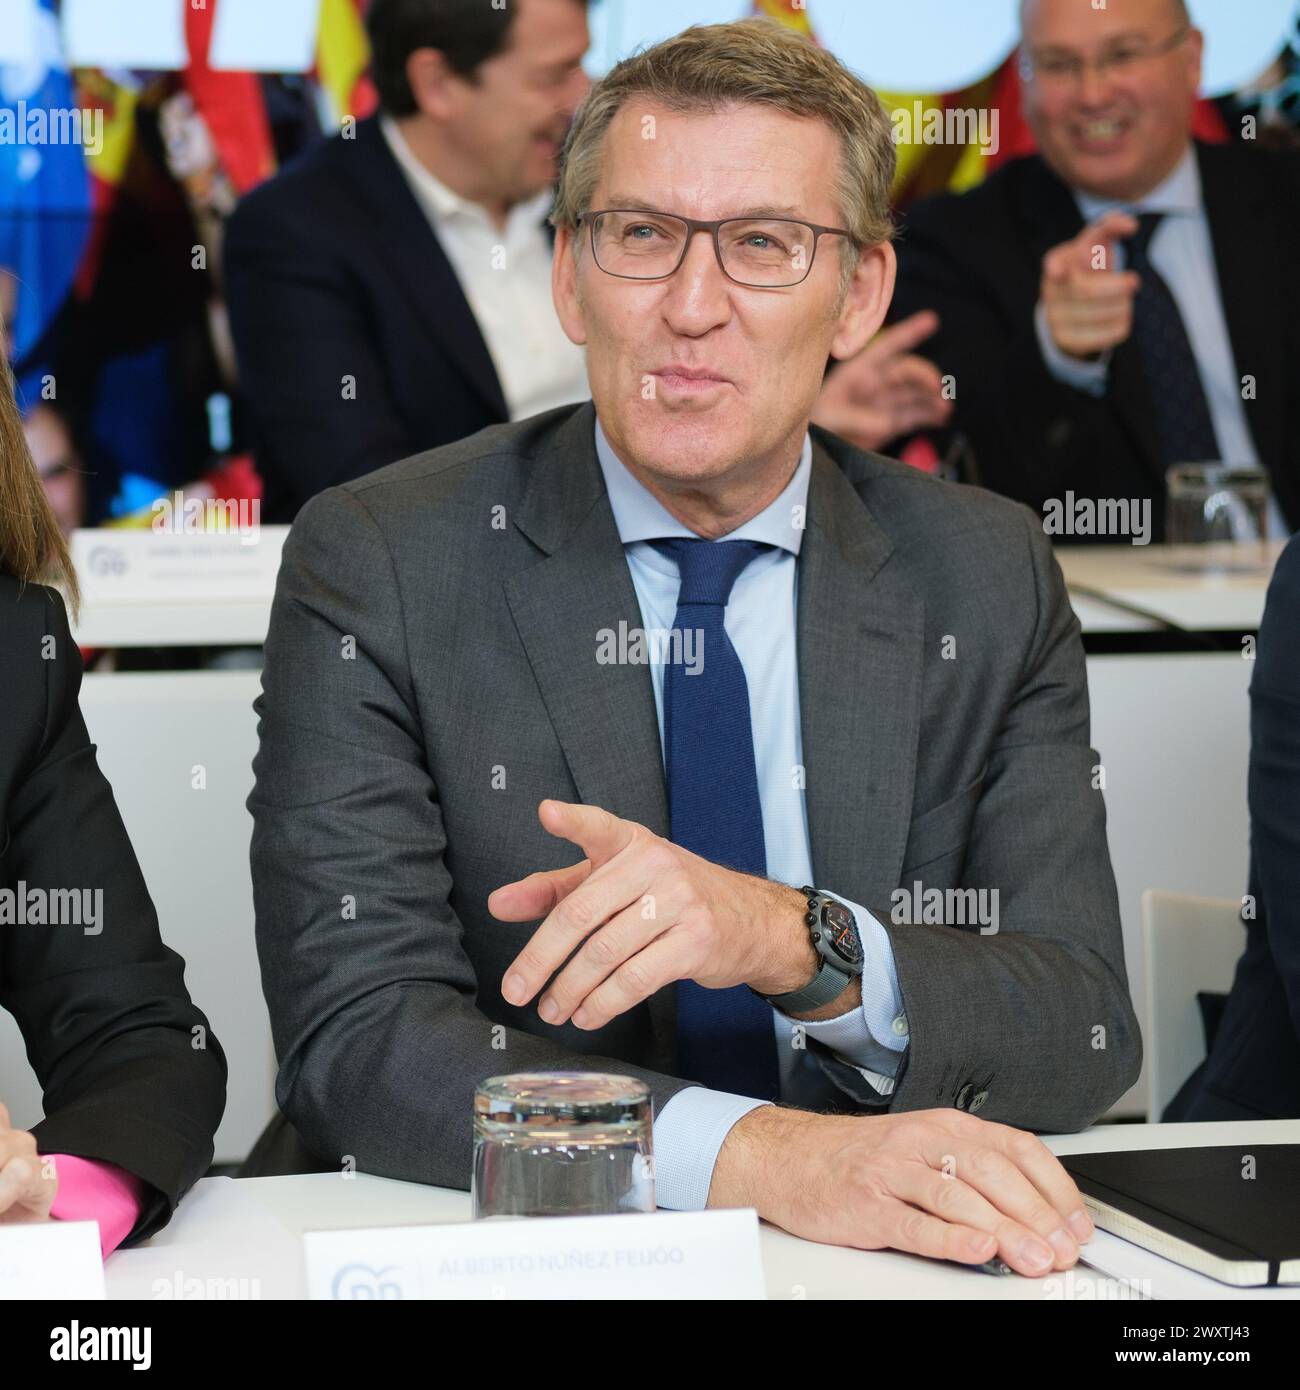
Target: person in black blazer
x: 1253, y: 1068
x: 321, y: 289
x: 981, y: 260
x: 133, y: 1078
x: 352, y: 321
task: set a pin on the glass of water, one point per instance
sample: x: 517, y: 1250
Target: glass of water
x: 562, y: 1143
x: 1216, y: 502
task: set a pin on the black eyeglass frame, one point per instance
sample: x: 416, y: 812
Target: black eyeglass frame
x: 696, y: 224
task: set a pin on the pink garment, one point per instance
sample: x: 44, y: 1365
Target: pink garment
x: 91, y: 1190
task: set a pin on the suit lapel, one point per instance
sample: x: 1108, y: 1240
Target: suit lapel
x: 861, y: 631
x: 1242, y: 232
x: 416, y: 260
x: 603, y: 714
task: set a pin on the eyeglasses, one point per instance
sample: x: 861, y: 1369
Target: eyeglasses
x: 1060, y: 69
x: 766, y: 253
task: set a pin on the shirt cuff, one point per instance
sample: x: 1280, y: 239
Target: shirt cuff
x: 1070, y: 371
x: 687, y: 1138
x: 92, y: 1190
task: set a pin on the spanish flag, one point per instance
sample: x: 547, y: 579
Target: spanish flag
x: 342, y: 57
x: 232, y: 105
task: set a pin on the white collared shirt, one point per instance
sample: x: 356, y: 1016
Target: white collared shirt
x: 506, y: 278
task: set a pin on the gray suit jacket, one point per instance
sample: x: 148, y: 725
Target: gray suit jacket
x: 431, y: 675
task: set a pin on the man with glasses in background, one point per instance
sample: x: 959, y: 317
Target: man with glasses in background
x: 1127, y: 299
x: 627, y: 737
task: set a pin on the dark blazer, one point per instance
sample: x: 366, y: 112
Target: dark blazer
x: 356, y: 344
x: 106, y: 1018
x: 1253, y: 1068
x: 976, y: 258
x: 430, y: 677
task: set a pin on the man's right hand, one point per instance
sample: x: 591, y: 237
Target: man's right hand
x: 941, y: 1183
x: 1089, y: 304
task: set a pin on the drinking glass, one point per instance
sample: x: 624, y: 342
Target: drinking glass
x: 562, y: 1143
x: 1210, y: 502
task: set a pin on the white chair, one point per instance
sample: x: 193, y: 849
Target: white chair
x: 1190, y: 945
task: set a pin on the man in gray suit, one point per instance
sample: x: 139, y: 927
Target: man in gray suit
x: 813, y: 725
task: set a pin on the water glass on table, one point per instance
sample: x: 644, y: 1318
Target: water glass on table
x: 562, y: 1144
x: 1209, y: 502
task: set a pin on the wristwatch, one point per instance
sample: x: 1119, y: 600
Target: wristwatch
x: 839, y: 952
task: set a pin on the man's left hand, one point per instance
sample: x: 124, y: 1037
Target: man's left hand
x: 886, y: 391
x: 638, y: 913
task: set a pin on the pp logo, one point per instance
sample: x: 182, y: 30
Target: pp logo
x: 360, y: 1281
x: 108, y: 561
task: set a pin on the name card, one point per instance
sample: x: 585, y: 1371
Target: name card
x: 51, y: 1259
x: 125, y: 566
x: 677, y: 1255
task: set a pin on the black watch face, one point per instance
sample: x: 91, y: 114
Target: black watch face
x: 842, y: 932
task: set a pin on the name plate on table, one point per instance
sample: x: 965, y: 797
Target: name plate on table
x: 677, y: 1255
x: 51, y: 1259
x: 125, y: 566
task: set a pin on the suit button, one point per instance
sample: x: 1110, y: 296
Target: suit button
x: 977, y: 1100
x: 962, y: 1101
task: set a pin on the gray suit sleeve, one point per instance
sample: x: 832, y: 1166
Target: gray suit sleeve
x: 371, y: 995
x: 1034, y: 1018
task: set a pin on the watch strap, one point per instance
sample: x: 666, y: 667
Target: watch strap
x: 828, y: 984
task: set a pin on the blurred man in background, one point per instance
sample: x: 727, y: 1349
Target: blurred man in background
x: 391, y: 292
x: 1126, y: 300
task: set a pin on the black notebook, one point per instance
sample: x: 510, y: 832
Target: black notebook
x: 1202, y: 1207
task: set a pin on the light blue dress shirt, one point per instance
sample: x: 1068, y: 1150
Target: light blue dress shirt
x: 760, y: 621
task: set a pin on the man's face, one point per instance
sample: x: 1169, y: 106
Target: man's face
x: 511, y: 122
x: 765, y: 350
x: 1119, y: 132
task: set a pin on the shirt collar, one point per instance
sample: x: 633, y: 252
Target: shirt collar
x: 640, y: 516
x: 1180, y: 192
x: 439, y: 201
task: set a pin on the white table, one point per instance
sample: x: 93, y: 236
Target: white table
x: 1202, y: 588
x: 257, y: 1252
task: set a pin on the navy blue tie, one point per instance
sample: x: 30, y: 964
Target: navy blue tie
x: 1184, y: 426
x: 725, y: 1037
